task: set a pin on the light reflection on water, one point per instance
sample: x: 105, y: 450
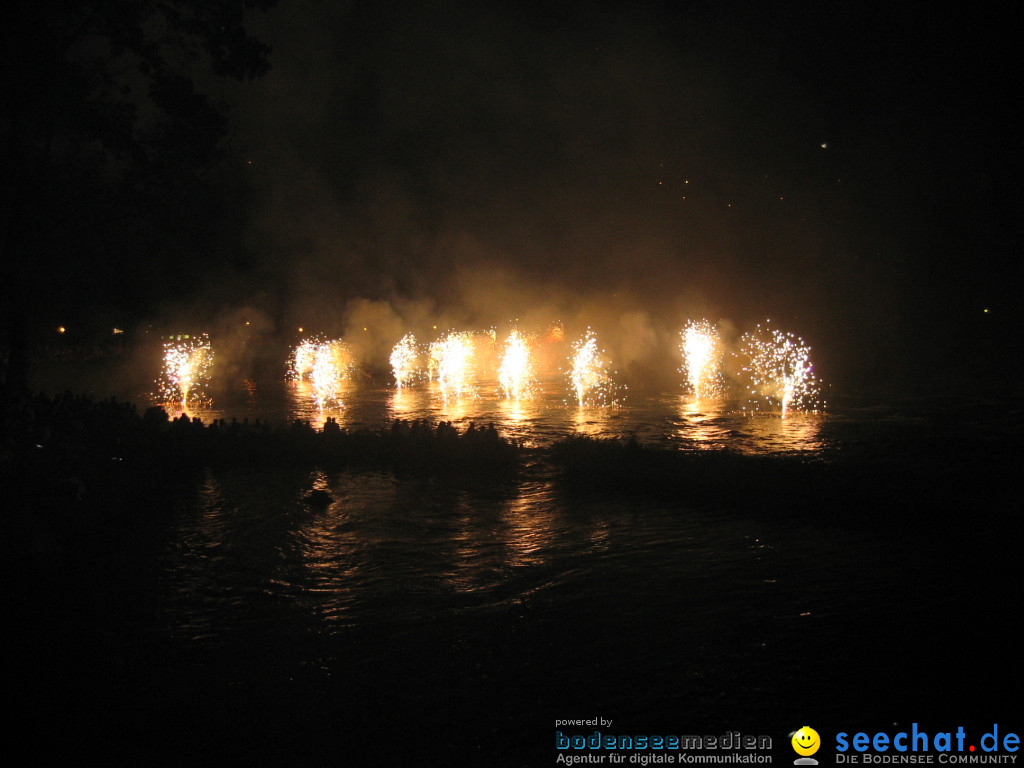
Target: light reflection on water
x: 393, y: 562
x: 709, y: 607
x: 668, y: 418
x: 415, y: 600
x: 249, y: 553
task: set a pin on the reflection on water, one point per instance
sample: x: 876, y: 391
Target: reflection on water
x: 248, y: 559
x: 699, y: 424
x: 441, y: 600
x: 445, y: 605
x: 248, y: 554
x: 248, y: 551
x: 308, y: 406
x: 703, y: 424
x: 530, y: 530
x: 592, y: 423
x: 669, y: 418
x: 774, y: 434
x: 407, y: 403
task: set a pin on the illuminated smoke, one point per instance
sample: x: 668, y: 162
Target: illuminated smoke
x: 434, y: 359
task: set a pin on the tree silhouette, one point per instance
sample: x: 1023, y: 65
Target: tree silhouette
x: 104, y: 133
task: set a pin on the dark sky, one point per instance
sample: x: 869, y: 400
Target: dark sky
x: 842, y: 168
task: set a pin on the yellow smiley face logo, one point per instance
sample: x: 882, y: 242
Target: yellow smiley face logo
x: 806, y: 741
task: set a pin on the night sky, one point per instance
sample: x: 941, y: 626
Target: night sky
x: 844, y: 169
x: 841, y: 168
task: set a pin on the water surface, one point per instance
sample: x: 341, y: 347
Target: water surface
x: 446, y: 617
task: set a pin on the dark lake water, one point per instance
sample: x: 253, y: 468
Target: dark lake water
x: 418, y: 619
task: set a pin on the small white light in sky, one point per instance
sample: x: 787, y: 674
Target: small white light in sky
x: 824, y: 145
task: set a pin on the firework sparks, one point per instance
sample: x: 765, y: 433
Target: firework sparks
x: 403, y: 360
x: 326, y: 365
x: 516, y: 372
x: 779, y: 365
x: 186, y: 369
x: 303, y: 359
x: 454, y: 367
x: 589, y: 375
x: 702, y: 358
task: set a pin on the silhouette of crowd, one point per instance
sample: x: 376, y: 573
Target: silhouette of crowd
x: 66, y: 446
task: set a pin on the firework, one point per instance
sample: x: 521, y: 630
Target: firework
x: 186, y: 369
x: 702, y: 358
x: 303, y: 359
x: 403, y: 360
x: 326, y: 365
x: 779, y: 366
x: 589, y: 375
x: 516, y: 372
x: 454, y: 365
